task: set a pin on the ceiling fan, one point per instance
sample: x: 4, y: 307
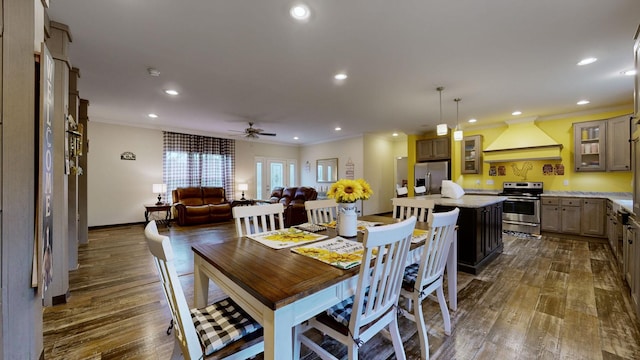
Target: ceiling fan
x: 254, y: 133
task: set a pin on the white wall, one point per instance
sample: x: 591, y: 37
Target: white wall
x: 379, y: 155
x: 117, y: 189
x: 344, y: 150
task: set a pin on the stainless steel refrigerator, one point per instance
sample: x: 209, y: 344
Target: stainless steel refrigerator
x: 430, y: 175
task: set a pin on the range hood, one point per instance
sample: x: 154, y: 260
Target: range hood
x: 522, y: 140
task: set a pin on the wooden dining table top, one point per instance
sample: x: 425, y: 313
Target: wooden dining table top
x: 278, y: 277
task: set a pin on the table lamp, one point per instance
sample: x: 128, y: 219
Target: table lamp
x: 243, y: 188
x: 159, y: 189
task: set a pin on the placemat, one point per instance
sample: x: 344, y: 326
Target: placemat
x: 338, y: 251
x: 419, y: 235
x: 280, y: 239
x: 361, y: 224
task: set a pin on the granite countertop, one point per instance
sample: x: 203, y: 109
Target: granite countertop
x: 624, y: 200
x: 466, y: 201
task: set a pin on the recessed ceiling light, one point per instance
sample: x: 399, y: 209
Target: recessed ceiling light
x: 472, y: 120
x: 338, y: 128
x: 300, y: 12
x: 171, y: 92
x: 340, y: 76
x: 296, y: 138
x: 587, y: 61
x: 583, y: 102
x: 516, y: 113
x: 152, y: 115
x: 630, y: 72
x: 394, y: 134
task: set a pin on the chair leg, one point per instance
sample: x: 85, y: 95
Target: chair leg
x: 445, y: 310
x: 396, y: 339
x: 409, y: 304
x: 177, y: 350
x: 418, y: 315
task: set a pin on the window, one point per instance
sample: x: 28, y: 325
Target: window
x: 193, y: 160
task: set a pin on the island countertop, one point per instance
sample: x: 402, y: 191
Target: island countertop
x: 466, y: 201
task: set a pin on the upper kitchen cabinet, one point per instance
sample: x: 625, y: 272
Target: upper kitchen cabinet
x: 590, y: 149
x: 433, y: 149
x: 471, y: 151
x: 618, y: 144
x: 603, y: 145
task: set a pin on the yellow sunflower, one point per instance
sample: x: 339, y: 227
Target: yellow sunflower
x: 348, y: 191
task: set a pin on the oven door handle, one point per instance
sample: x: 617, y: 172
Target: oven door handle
x: 522, y: 200
x: 520, y: 223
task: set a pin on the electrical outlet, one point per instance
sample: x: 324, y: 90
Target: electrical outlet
x: 489, y: 182
x: 565, y: 183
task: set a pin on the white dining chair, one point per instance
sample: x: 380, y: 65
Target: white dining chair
x: 419, y: 190
x: 221, y: 330
x: 258, y: 218
x: 402, y: 191
x: 321, y: 211
x: 423, y: 278
x: 373, y: 307
x: 404, y: 208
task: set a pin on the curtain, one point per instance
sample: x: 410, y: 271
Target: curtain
x: 194, y: 160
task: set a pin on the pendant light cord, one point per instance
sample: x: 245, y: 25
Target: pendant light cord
x: 457, y: 100
x: 440, y: 88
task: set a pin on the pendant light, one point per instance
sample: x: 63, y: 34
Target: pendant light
x: 457, y: 134
x: 441, y: 129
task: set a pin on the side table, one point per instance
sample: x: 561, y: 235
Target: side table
x: 151, y: 208
x: 245, y: 202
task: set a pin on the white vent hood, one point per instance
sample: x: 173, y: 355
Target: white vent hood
x: 522, y: 140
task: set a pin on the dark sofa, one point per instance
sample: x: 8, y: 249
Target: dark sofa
x: 293, y: 198
x: 200, y: 205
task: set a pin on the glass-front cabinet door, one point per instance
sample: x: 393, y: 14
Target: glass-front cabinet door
x: 471, y: 155
x: 590, y: 149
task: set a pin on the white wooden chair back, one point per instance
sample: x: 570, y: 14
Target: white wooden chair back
x: 436, y: 247
x: 404, y: 208
x: 184, y: 330
x: 429, y: 275
x: 258, y: 218
x: 321, y: 211
x: 419, y: 190
x: 382, y: 278
x: 402, y: 191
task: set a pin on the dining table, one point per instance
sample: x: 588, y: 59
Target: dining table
x: 281, y: 289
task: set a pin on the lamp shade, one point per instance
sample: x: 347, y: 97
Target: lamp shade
x: 159, y: 188
x: 243, y: 187
x: 441, y: 129
x: 458, y: 135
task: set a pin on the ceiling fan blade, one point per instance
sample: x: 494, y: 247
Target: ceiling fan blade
x: 267, y: 134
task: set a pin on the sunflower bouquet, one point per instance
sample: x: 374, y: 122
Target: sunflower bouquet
x: 349, y: 191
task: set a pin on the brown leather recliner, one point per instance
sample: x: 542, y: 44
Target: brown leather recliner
x: 293, y: 198
x: 200, y: 205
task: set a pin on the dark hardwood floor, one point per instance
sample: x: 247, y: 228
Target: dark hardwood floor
x: 552, y: 298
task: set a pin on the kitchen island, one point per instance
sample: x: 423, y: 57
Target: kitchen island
x: 479, y: 228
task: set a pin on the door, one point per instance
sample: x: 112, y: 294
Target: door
x: 271, y: 173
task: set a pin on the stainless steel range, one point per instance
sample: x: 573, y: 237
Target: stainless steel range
x: 521, y: 210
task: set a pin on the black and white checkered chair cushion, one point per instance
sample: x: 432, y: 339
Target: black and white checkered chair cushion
x: 222, y: 323
x: 342, y: 311
x: 410, y: 276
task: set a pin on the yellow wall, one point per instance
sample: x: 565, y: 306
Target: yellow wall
x: 560, y: 130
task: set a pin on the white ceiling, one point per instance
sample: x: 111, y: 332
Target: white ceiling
x: 239, y: 60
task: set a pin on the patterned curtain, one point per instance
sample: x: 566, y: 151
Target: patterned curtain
x: 194, y: 160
